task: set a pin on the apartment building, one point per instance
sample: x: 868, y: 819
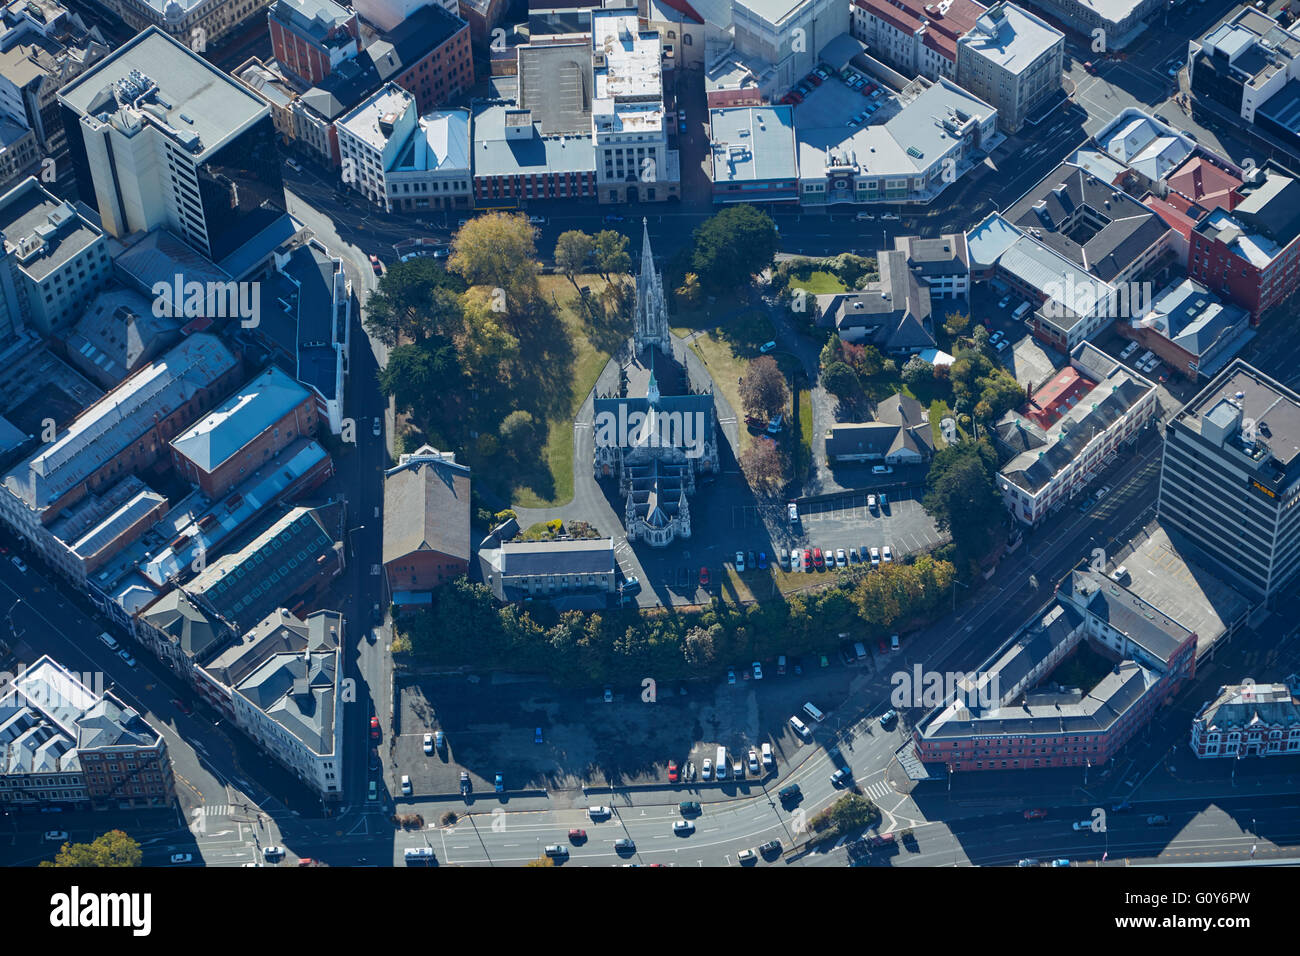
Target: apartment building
x: 202, y: 23
x: 310, y: 38
x: 788, y: 35
x: 1013, y: 60
x: 915, y: 37
x: 370, y: 136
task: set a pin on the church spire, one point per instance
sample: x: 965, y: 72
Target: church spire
x: 651, y: 327
x: 647, y: 258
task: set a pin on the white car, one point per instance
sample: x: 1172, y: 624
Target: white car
x: 886, y: 554
x: 753, y: 762
x: 758, y: 671
x: 740, y: 560
x: 18, y: 563
x: 864, y: 217
x: 378, y: 428
x: 683, y: 827
x: 871, y: 503
x: 272, y: 852
x: 841, y: 559
x: 182, y: 858
x: 768, y: 759
x: 407, y: 789
x: 875, y: 557
x: 108, y: 641
x: 428, y: 743
x: 56, y: 836
x: 706, y: 771
x: 598, y: 813
x: 796, y: 560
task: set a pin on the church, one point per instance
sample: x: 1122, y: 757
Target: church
x: 658, y: 433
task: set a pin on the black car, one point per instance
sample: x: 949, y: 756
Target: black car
x: 790, y: 794
x: 1157, y: 820
x: 770, y: 848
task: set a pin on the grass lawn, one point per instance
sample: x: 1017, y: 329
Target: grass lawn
x: 727, y: 352
x: 589, y: 359
x: 939, y: 410
x: 805, y: 434
x: 817, y: 282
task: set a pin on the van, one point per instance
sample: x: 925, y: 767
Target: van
x: 108, y: 641
x: 860, y: 650
x: 800, y: 728
x: 419, y: 854
x: 738, y: 768
x: 720, y: 763
x: 1021, y: 309
x: 813, y: 712
x: 768, y: 759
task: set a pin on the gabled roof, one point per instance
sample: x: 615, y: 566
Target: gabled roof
x: 426, y: 506
x: 222, y: 433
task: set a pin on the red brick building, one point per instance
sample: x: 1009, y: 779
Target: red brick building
x: 426, y: 523
x: 245, y: 431
x: 1251, y: 255
x: 311, y: 37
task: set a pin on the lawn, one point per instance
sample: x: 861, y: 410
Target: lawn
x: 727, y: 351
x: 817, y: 282
x: 589, y: 357
x: 805, y: 434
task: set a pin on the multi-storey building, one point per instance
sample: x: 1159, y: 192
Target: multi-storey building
x: 42, y: 47
x: 1230, y: 478
x: 432, y: 168
x: 1251, y: 255
x: 1072, y: 428
x: 63, y: 740
x: 628, y: 117
x: 913, y: 36
x: 1190, y: 329
x: 1011, y: 59
x: 282, y: 684
x: 787, y: 34
x: 1249, y: 720
x: 58, y: 260
x: 160, y: 137
x: 311, y: 37
x: 91, y: 466
x: 237, y: 437
x: 370, y: 137
x: 196, y: 23
x: 1007, y: 716
x: 19, y: 151
x: 1121, y: 21
x: 515, y: 161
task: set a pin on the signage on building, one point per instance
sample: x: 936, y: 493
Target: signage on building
x: 1258, y: 487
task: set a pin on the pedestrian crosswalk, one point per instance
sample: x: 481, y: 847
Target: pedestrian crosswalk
x: 879, y: 790
x: 215, y: 810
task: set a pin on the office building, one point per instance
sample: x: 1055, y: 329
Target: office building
x: 203, y: 23
x: 915, y: 37
x: 160, y: 137
x: 1231, y: 476
x: 1013, y: 60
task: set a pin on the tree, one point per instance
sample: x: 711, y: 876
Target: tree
x: 113, y: 849
x: 610, y: 254
x: 733, y: 245
x: 414, y: 300
x: 763, y: 465
x: 831, y: 352
x: 572, y: 251
x: 498, y: 251
x: 689, y: 290
x: 840, y: 380
x: 416, y: 374
x: 980, y: 337
x: 541, y: 861
x: 486, y: 344
x: 700, y: 645
x: 962, y: 495
x: 956, y: 323
x: 762, y: 388
x: 519, y: 433
x: 866, y: 360
x: 917, y: 372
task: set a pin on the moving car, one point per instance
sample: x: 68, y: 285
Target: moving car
x: 598, y: 812
x: 1082, y: 825
x: 1060, y: 863
x: 881, y: 470
x: 374, y: 790
x: 557, y: 850
x: 378, y: 429
x: 180, y: 705
x: 56, y: 836
x: 578, y: 836
x: 1157, y: 820
x: 537, y: 735
x: 888, y: 717
x: 182, y: 858
x: 612, y: 218
x: 1036, y: 814
x: 127, y: 659
x: 790, y: 794
x: 375, y: 264
x: 688, y: 807
x: 631, y: 587
x: 839, y: 777
x: 108, y: 641
x: 683, y: 828
x: 272, y: 853
x: 428, y: 743
x: 766, y: 347
x: 625, y: 845
x: 1027, y: 862
x: 609, y: 696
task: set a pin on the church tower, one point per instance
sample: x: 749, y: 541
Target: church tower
x: 651, y: 309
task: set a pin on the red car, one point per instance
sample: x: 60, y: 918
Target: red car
x: 884, y: 648
x: 796, y: 96
x: 180, y: 705
x: 814, y: 79
x: 672, y: 773
x: 578, y: 836
x: 1089, y: 67
x: 807, y: 560
x: 1037, y: 814
x: 704, y: 577
x: 375, y: 264
x: 818, y: 559
x: 374, y: 728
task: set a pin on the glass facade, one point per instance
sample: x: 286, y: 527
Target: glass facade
x: 241, y: 188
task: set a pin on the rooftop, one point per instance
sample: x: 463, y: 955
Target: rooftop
x: 1150, y: 628
x: 427, y: 506
x: 439, y: 143
x: 117, y: 333
x: 1193, y: 318
x: 529, y: 558
x: 227, y: 429
x: 753, y: 144
x: 942, y: 22
x: 43, y: 233
x: 373, y: 121
x: 158, y: 81
x: 495, y: 155
x: 1011, y: 37
x: 1242, y: 392
x: 1145, y: 144
x: 556, y: 85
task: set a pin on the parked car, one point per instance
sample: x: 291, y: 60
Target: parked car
x: 1157, y: 820
x: 886, y: 554
x: 762, y: 560
x: 378, y: 429
x: 464, y: 783
x: 374, y: 728
x: 609, y: 696
x: 767, y: 347
x: 180, y: 705
x: 747, y: 857
x: 753, y: 762
x: 108, y: 641
x: 872, y: 504
x: 56, y: 836
x: 612, y: 218
x: 770, y: 848
x: 706, y: 769
x: 272, y: 853
x: 499, y: 784
x: 439, y: 740
x: 731, y: 675
x: 841, y: 561
x: 537, y: 735
x: 807, y: 559
x: 875, y: 557
x: 740, y: 561
x: 428, y: 743
x: 818, y: 558
x: 758, y: 670
x: 673, y: 773
x: 407, y: 789
x: 704, y: 577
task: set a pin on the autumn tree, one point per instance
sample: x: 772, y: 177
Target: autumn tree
x: 764, y: 466
x: 113, y: 849
x: 689, y: 290
x: 498, y: 251
x: 762, y: 388
x: 610, y: 254
x: 956, y: 323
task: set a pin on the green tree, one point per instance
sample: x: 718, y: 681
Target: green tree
x: 832, y: 352
x: 519, y: 433
x: 733, y: 245
x: 610, y: 254
x: 573, y: 250
x: 956, y: 323
x: 962, y: 495
x: 416, y: 375
x: 112, y: 849
x: 980, y: 337
x: 917, y: 372
x: 414, y: 300
x: 840, y: 380
x: 866, y: 360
